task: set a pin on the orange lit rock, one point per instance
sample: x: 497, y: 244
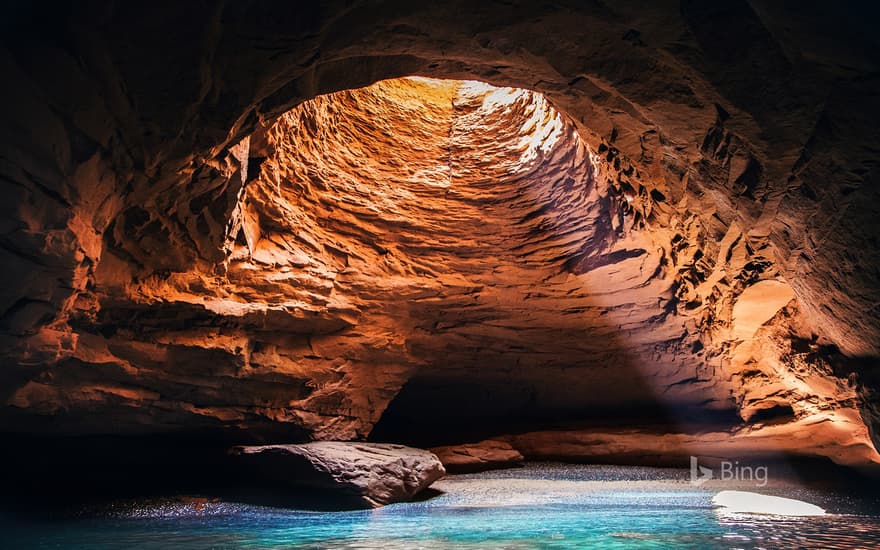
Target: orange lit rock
x: 757, y: 305
x: 450, y: 231
x: 840, y: 436
x: 694, y: 238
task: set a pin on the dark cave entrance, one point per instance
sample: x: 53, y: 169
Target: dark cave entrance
x: 432, y: 411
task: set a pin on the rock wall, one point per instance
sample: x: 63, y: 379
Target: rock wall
x: 181, y: 254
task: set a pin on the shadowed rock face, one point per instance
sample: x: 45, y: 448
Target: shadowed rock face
x: 362, y: 475
x: 478, y: 457
x: 681, y: 231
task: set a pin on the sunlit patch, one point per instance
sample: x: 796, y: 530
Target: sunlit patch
x: 541, y: 125
x: 744, y: 502
x: 757, y: 305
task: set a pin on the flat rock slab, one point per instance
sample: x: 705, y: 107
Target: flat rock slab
x: 478, y: 457
x: 366, y: 475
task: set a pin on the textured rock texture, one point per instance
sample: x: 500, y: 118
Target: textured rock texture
x: 369, y: 474
x: 478, y: 457
x: 694, y: 237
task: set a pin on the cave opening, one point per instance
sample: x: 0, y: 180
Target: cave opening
x: 348, y: 246
x: 434, y: 262
x: 499, y: 274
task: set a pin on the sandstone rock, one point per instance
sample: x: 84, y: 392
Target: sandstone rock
x: 478, y: 457
x: 187, y: 243
x: 365, y: 474
x: 836, y: 435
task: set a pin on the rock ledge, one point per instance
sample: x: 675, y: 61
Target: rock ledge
x: 478, y: 457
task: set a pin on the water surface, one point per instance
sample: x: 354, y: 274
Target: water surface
x: 540, y: 506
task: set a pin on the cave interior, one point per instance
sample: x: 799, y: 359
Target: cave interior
x: 436, y: 225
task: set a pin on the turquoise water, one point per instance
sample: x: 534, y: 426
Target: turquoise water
x: 541, y: 506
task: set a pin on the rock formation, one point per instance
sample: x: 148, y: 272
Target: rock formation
x: 366, y: 474
x: 675, y: 233
x: 478, y: 457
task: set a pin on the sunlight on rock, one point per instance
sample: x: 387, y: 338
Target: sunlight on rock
x: 757, y: 305
x: 541, y: 126
x: 744, y: 502
x: 267, y: 260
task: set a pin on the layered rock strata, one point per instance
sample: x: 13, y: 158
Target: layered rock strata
x: 695, y: 235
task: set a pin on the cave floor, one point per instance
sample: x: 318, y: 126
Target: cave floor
x: 542, y: 505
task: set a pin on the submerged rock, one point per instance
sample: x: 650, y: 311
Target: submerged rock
x: 478, y: 457
x: 361, y: 474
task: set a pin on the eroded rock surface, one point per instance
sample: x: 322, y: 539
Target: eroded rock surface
x: 365, y: 474
x: 694, y: 236
x: 478, y: 457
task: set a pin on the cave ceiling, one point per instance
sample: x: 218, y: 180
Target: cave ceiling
x: 238, y: 217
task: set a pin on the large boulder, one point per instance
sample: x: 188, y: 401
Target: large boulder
x: 365, y: 475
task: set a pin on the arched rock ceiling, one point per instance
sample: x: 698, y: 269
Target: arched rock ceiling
x: 733, y: 138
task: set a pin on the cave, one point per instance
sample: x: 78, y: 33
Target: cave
x: 506, y: 232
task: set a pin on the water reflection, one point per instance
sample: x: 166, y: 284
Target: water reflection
x: 542, y: 506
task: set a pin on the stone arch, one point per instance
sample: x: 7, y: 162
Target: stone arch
x: 140, y: 150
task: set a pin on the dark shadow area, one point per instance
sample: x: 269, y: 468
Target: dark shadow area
x: 778, y: 414
x: 431, y: 411
x: 45, y: 473
x: 55, y: 478
x: 63, y: 478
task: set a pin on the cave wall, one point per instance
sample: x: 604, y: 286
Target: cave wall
x: 131, y: 132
